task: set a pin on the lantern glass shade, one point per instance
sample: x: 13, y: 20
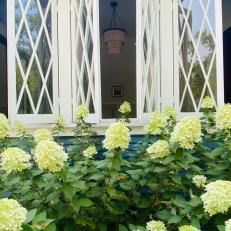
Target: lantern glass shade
x: 114, y: 36
x: 114, y: 39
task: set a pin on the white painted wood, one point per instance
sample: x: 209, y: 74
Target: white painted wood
x: 85, y: 67
x: 13, y: 55
x: 64, y: 48
x: 217, y: 54
x: 167, y: 53
x: 148, y: 56
x: 11, y: 61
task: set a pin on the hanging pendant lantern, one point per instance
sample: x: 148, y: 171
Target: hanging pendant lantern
x: 115, y: 35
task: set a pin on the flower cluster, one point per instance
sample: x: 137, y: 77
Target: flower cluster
x: 159, y: 149
x: 170, y: 112
x: 187, y: 132
x: 223, y: 118
x: 117, y: 136
x: 42, y: 134
x: 89, y: 152
x: 82, y: 112
x: 59, y: 121
x: 20, y: 127
x: 4, y: 126
x: 12, y: 215
x: 208, y: 103
x: 155, y: 226
x: 217, y: 198
x: 49, y: 155
x: 188, y: 228
x: 125, y: 108
x: 15, y: 159
x: 157, y: 123
x: 199, y: 180
x: 228, y: 225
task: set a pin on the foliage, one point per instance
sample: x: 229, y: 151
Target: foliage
x: 126, y: 190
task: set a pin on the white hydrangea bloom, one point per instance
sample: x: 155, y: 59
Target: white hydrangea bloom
x: 12, y: 215
x: 157, y: 123
x: 89, y: 152
x: 223, y: 118
x: 155, y: 226
x: 59, y: 121
x: 199, y: 180
x: 217, y: 198
x: 50, y: 156
x: 228, y: 225
x: 187, y: 132
x: 170, y: 112
x: 4, y: 126
x: 188, y: 228
x: 125, y: 108
x: 82, y: 112
x: 159, y: 149
x: 208, y: 103
x: 117, y: 136
x: 20, y: 127
x: 42, y: 134
x: 15, y: 159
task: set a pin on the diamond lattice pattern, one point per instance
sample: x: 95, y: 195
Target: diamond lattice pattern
x: 83, y: 60
x: 150, y: 54
x: 34, y: 83
x: 197, y: 53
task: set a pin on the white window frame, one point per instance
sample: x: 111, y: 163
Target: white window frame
x: 219, y: 58
x: 11, y: 51
x: 168, y: 85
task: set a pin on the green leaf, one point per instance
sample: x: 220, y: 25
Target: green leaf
x: 195, y: 222
x: 217, y: 151
x: 195, y: 202
x: 174, y: 220
x: 168, y: 159
x: 122, y: 228
x: 40, y: 217
x: 221, y: 227
x: 179, y: 201
x: 164, y: 215
x: 30, y: 215
x: 85, y: 202
x: 69, y: 191
x: 50, y: 227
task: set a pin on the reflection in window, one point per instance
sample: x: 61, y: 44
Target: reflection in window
x: 34, y: 57
x: 3, y: 59
x: 197, y: 54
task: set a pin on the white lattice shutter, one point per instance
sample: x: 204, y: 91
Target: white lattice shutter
x: 199, y: 53
x: 148, y: 57
x: 85, y: 56
x: 32, y: 60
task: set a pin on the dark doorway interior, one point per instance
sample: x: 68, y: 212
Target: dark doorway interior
x: 118, y: 72
x: 227, y: 48
x: 3, y: 58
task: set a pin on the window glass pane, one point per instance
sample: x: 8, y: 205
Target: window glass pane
x: 118, y: 63
x: 197, y: 53
x: 34, y: 57
x: 226, y: 6
x: 3, y: 59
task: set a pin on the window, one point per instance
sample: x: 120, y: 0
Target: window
x: 34, y: 58
x: 57, y: 59
x: 3, y: 59
x: 200, y: 60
